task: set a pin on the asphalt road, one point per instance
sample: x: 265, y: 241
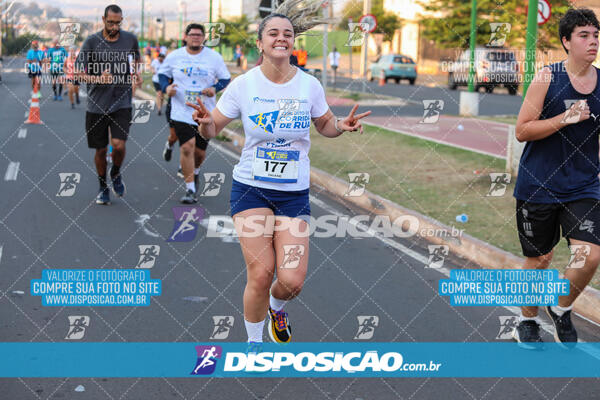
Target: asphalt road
x: 413, y: 95
x: 347, y: 277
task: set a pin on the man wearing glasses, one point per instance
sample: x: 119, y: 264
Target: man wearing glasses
x: 109, y: 63
x: 197, y: 72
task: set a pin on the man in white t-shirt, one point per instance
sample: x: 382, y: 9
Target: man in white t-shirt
x: 197, y: 72
x: 334, y: 62
x: 155, y: 65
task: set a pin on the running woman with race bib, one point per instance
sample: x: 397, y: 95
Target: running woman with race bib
x: 276, y: 103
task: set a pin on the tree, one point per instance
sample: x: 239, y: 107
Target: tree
x: 236, y: 32
x: 451, y: 28
x: 387, y: 22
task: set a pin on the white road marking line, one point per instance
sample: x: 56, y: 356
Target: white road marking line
x: 12, y: 171
x: 22, y: 133
x: 1, y: 247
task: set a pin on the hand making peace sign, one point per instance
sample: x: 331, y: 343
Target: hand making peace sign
x: 351, y: 122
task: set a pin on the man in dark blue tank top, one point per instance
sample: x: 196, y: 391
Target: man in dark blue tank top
x: 558, y: 187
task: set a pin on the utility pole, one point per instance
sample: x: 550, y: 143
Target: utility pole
x: 142, y: 31
x: 472, y: 41
x: 530, y: 44
x: 365, y: 46
x: 325, y: 38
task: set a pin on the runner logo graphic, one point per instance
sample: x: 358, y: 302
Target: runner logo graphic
x: 207, y: 359
x: 68, y: 183
x: 500, y: 31
x: 77, y: 325
x: 499, y: 183
x: 292, y: 253
x: 266, y: 121
x: 148, y: 254
x: 437, y: 253
x: 213, y: 30
x: 68, y: 33
x: 187, y: 219
x: 287, y: 107
x: 579, y: 253
x: 431, y: 111
x: 357, y: 183
x: 366, y: 326
x: 223, y: 324
x: 141, y: 111
x: 212, y: 183
x: 507, y: 325
x: 574, y: 109
x: 587, y: 225
x: 356, y: 33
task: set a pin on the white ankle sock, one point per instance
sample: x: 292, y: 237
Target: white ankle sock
x: 190, y: 185
x: 524, y: 318
x: 558, y: 310
x: 276, y: 304
x: 254, y: 330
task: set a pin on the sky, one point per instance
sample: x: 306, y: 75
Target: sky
x: 90, y: 9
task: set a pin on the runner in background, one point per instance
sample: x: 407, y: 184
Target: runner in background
x: 154, y: 66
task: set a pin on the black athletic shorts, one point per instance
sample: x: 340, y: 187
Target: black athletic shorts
x: 168, y: 113
x: 156, y: 86
x: 96, y: 127
x: 185, y: 132
x: 32, y: 74
x: 540, y: 224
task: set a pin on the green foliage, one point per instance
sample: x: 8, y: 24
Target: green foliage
x: 452, y: 27
x: 19, y: 44
x: 236, y: 32
x: 387, y: 22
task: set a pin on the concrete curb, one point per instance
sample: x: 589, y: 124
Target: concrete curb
x: 477, y: 251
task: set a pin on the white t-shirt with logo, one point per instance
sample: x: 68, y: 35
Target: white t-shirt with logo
x: 334, y: 58
x: 276, y: 119
x: 192, y: 73
x: 156, y: 65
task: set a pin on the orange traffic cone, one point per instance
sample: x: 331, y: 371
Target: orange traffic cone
x: 34, y: 108
x: 382, y: 78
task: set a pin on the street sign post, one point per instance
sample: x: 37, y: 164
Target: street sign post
x: 544, y: 12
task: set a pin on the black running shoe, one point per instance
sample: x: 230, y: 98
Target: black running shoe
x: 167, y: 152
x: 564, y: 331
x: 196, y: 181
x: 527, y: 333
x: 103, y: 196
x: 280, y: 329
x: 189, y: 197
x: 118, y: 185
x: 180, y: 172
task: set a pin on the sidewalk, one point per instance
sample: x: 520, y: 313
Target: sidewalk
x: 478, y: 135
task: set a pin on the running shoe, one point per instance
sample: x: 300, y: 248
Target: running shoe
x: 189, y: 197
x: 196, y: 181
x: 180, y: 172
x: 77, y: 100
x: 59, y: 98
x: 167, y: 152
x: 280, y: 329
x: 103, y: 196
x: 527, y: 334
x: 254, y: 347
x: 118, y: 185
x: 564, y: 331
x: 55, y: 98
x: 72, y: 106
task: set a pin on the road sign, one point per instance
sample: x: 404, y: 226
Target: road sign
x: 544, y: 12
x: 370, y: 20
